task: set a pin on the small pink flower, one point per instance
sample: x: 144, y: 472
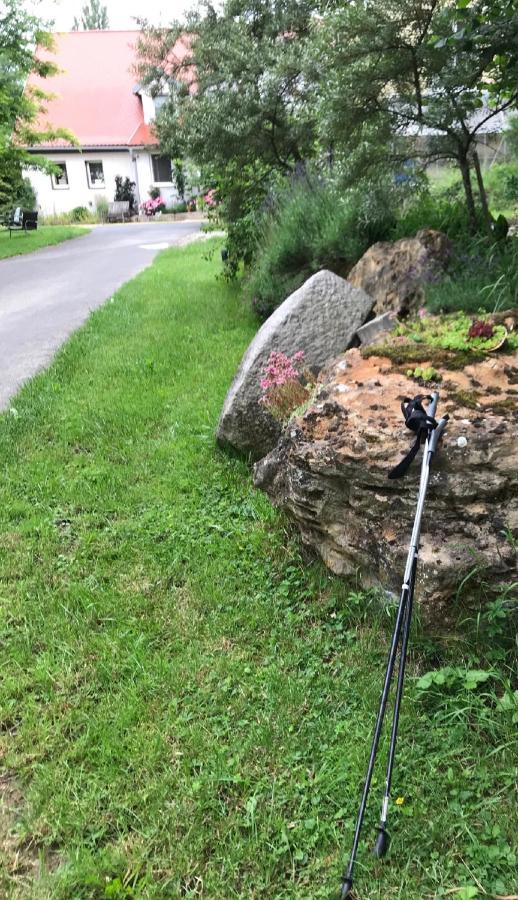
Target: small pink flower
x: 210, y: 198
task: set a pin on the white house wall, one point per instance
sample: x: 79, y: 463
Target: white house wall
x: 135, y: 165
x: 51, y: 200
x: 144, y: 168
x: 148, y: 106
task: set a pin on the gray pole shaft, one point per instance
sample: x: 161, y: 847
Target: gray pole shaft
x: 408, y: 584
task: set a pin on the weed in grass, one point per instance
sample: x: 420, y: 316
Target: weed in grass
x: 186, y: 705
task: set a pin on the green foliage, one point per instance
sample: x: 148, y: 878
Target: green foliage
x: 313, y: 225
x: 20, y: 105
x: 481, y: 276
x: 501, y: 181
x: 427, y: 210
x: 508, y: 705
x: 243, y: 194
x: 178, y: 207
x: 511, y: 136
x: 125, y: 190
x: 249, y: 104
x: 442, y: 62
x: 426, y: 375
x: 101, y: 207
x: 451, y: 677
x: 250, y: 118
x: 276, y: 94
x: 94, y: 16
x: 80, y: 214
x: 451, y: 332
x: 179, y: 177
x: 20, y: 193
x: 502, y: 185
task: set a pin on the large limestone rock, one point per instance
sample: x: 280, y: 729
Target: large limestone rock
x: 321, y: 318
x: 394, y: 273
x: 329, y: 472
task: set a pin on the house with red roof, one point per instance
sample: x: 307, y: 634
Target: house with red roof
x: 96, y: 96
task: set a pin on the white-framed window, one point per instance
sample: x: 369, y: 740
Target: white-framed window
x: 60, y: 179
x: 94, y: 173
x: 162, y: 172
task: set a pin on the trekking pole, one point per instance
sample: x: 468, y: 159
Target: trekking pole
x: 423, y: 424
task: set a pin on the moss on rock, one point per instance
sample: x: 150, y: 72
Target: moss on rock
x: 400, y: 354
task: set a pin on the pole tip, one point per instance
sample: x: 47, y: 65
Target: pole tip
x: 347, y: 886
x: 381, y: 844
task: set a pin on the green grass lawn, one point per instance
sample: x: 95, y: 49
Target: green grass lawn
x: 448, y: 178
x: 46, y: 235
x: 185, y: 704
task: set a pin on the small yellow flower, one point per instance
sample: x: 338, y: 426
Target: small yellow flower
x: 400, y: 801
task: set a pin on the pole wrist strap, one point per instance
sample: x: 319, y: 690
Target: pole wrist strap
x: 418, y: 421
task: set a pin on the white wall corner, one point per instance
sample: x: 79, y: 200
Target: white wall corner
x: 148, y: 106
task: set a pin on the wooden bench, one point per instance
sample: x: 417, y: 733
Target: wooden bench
x: 117, y: 210
x: 21, y: 220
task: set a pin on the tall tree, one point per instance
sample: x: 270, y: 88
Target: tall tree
x: 426, y: 74
x: 20, y: 106
x: 246, y: 118
x: 94, y: 16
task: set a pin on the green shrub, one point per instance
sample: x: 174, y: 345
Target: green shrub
x: 80, y: 214
x: 16, y: 191
x: 502, y: 184
x: 429, y: 210
x: 242, y: 242
x: 101, y: 207
x: 125, y: 190
x: 180, y: 207
x: 25, y: 196
x: 481, y: 277
x: 313, y: 226
x: 511, y: 136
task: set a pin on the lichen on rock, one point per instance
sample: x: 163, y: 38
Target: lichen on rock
x: 395, y: 273
x: 329, y: 473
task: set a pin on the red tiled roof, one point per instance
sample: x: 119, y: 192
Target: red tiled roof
x: 143, y: 136
x: 94, y: 91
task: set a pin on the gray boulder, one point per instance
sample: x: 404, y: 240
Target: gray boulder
x: 321, y: 318
x: 372, y: 331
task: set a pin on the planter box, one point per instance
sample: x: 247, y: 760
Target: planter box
x: 173, y: 217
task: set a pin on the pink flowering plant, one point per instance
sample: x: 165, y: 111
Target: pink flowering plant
x: 210, y: 199
x: 152, y: 206
x: 285, y: 384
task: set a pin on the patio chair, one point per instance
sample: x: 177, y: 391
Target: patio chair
x: 21, y: 220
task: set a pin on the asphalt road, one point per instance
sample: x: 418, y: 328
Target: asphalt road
x: 46, y: 295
